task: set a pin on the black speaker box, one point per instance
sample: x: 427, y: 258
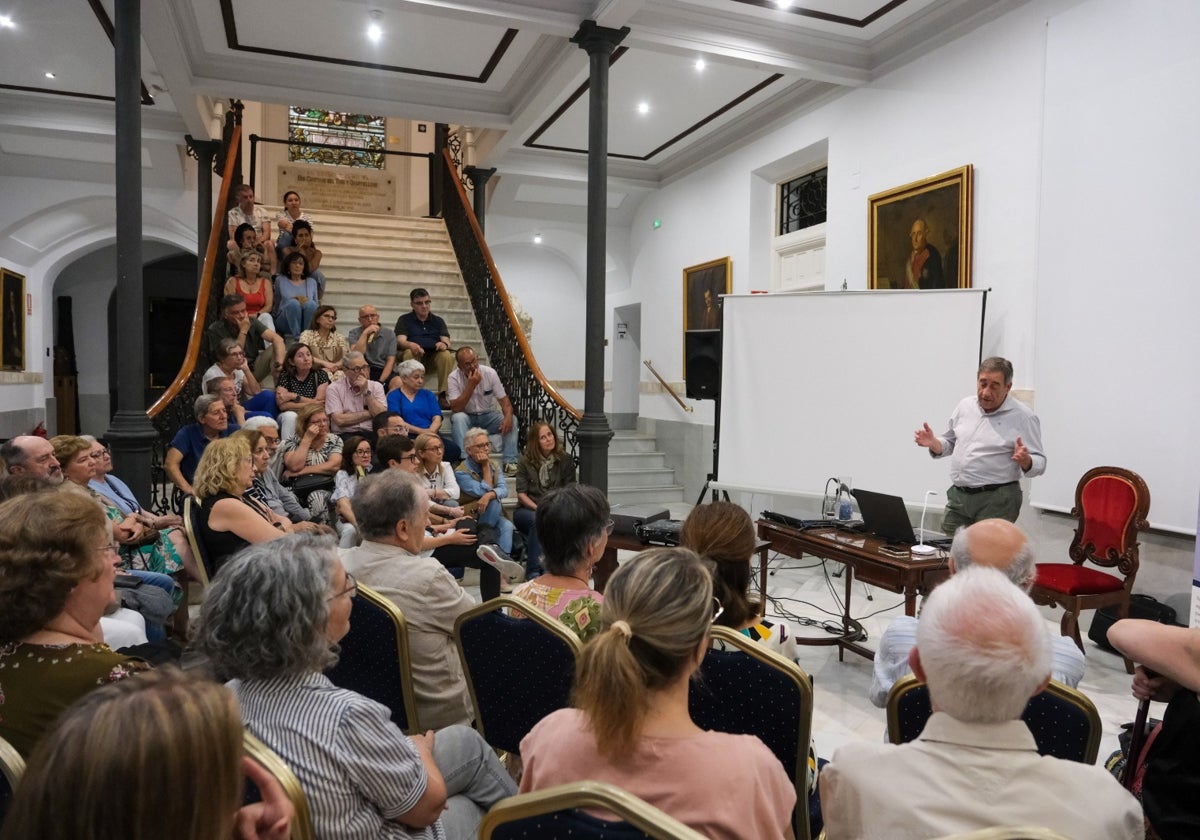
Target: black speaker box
x: 702, y: 354
x: 1140, y: 606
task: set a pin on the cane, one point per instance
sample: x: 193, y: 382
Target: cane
x: 1137, y: 739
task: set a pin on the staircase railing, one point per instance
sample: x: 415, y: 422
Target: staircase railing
x: 508, y: 350
x: 174, y: 408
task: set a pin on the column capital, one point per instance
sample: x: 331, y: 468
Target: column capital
x: 598, y: 39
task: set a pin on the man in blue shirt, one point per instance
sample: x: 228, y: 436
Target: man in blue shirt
x: 423, y: 336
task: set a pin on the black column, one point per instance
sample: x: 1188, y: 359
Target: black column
x: 479, y: 178
x: 594, y: 432
x: 437, y: 180
x: 131, y: 434
x: 204, y: 151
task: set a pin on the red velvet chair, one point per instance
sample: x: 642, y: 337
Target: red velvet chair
x: 1111, y: 505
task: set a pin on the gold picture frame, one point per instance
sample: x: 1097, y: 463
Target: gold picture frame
x: 703, y: 285
x: 919, y: 235
x: 12, y: 319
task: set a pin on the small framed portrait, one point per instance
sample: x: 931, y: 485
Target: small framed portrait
x: 703, y: 286
x: 919, y: 235
x: 12, y: 317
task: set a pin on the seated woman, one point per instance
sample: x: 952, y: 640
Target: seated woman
x: 231, y: 362
x: 327, y: 344
x: 357, y: 461
x: 115, y: 763
x: 573, y: 526
x: 1167, y: 772
x: 288, y: 216
x: 311, y: 458
x: 189, y: 443
x: 271, y: 622
x: 254, y: 285
x: 303, y: 233
x: 300, y: 383
x: 296, y: 295
x: 245, y: 238
x: 57, y: 567
x: 223, y: 387
x: 418, y: 405
x: 631, y: 725
x: 260, y: 454
x: 483, y: 485
x: 435, y: 472
x: 723, y: 535
x: 227, y: 520
x: 544, y: 465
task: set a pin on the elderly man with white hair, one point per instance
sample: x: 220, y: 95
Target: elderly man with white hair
x: 975, y: 765
x: 998, y: 544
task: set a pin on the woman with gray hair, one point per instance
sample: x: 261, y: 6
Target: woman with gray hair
x: 271, y: 622
x: 631, y: 726
x: 418, y: 405
x: 189, y: 443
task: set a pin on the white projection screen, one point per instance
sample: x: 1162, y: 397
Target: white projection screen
x: 822, y: 384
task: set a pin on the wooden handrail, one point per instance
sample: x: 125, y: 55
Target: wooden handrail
x: 667, y: 385
x: 215, y: 239
x: 512, y: 316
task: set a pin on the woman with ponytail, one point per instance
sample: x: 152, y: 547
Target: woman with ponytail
x: 630, y: 724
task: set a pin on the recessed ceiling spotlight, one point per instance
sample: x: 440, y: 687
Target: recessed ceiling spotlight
x: 700, y: 65
x: 643, y: 108
x: 6, y: 22
x: 374, y: 30
x: 537, y: 239
x: 784, y: 4
x: 50, y: 76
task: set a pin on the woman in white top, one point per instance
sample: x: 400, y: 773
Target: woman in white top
x: 437, y: 475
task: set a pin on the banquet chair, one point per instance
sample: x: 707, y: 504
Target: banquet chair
x: 302, y: 821
x: 1111, y: 505
x: 12, y: 767
x: 190, y: 514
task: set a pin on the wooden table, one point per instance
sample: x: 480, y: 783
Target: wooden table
x: 608, y: 561
x: 859, y: 553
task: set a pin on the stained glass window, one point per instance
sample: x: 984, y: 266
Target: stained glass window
x: 361, y: 138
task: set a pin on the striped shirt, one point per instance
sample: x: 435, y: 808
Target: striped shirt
x: 358, y: 770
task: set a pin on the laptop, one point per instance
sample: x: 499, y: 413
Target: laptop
x: 887, y: 518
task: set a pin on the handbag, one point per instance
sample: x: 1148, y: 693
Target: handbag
x: 306, y: 484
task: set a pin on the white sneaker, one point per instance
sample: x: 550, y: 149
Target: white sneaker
x: 496, y: 558
x: 510, y: 470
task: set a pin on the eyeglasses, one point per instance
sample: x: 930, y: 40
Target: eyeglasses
x: 358, y: 368
x: 412, y: 459
x: 369, y: 316
x: 434, y: 447
x: 112, y: 547
x: 609, y: 526
x: 351, y: 588
x: 484, y: 445
x: 720, y: 610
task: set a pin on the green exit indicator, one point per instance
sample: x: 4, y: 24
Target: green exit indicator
x: 656, y: 224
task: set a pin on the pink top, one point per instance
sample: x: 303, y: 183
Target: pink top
x: 724, y: 786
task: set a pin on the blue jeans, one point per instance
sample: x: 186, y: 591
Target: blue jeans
x: 475, y: 779
x: 262, y: 403
x: 461, y: 421
x: 155, y: 632
x: 494, y: 515
x: 294, y: 317
x: 526, y: 522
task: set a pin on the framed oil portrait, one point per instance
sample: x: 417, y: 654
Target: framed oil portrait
x: 703, y: 286
x: 919, y: 235
x: 12, y: 319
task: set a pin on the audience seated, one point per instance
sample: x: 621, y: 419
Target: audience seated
x: 296, y: 295
x: 231, y: 363
x: 288, y: 216
x: 304, y: 245
x: 357, y: 460
x: 376, y: 342
x: 57, y: 567
x: 190, y: 441
x: 253, y: 284
x: 127, y: 759
x: 544, y: 465
x: 265, y: 486
x: 975, y: 764
x: 228, y: 520
x: 424, y: 337
x: 223, y: 387
x: 31, y: 456
x: 631, y: 726
x: 482, y: 486
x: 478, y: 399
x: 392, y: 512
x: 1000, y: 545
x: 436, y: 472
x: 246, y: 212
x: 417, y: 405
x: 327, y: 344
x: 355, y: 398
x: 311, y: 458
x: 250, y: 333
x: 573, y: 525
x: 1167, y: 772
x: 388, y: 423
x: 301, y: 383
x: 723, y: 535
x: 272, y: 621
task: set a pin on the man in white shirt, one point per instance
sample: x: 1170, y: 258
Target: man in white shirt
x: 475, y: 391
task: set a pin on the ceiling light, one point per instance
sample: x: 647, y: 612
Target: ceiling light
x: 643, y: 108
x: 374, y: 30
x: 6, y: 22
x: 49, y: 75
x: 700, y: 65
x: 537, y: 239
x: 784, y: 4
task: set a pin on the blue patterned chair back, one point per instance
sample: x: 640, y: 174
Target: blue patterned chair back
x: 374, y: 659
x: 518, y: 669
x: 1064, y: 722
x: 749, y: 690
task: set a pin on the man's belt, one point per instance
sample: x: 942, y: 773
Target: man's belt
x: 987, y: 488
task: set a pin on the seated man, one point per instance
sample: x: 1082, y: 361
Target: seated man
x: 392, y: 512
x: 354, y: 399
x: 389, y: 423
x: 474, y: 390
x: 376, y: 342
x: 189, y: 443
x: 479, y: 483
x: 998, y: 544
x: 423, y: 336
x: 245, y: 211
x: 975, y: 765
x: 32, y: 456
x: 223, y: 387
x: 250, y: 334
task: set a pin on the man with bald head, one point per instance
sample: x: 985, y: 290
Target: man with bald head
x: 32, y: 456
x: 997, y: 544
